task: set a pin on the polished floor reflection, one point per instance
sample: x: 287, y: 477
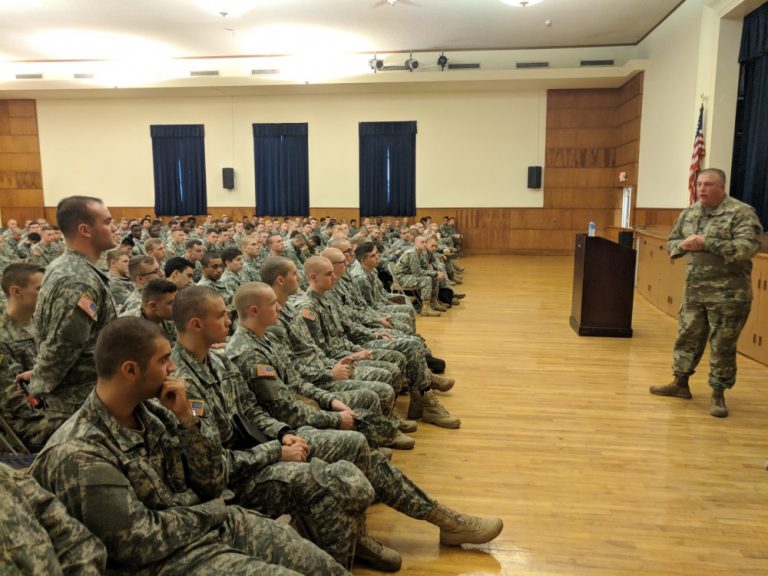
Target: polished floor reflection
x: 560, y: 437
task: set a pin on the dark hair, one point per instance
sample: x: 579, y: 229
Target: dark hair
x: 208, y: 256
x: 229, y: 254
x: 177, y: 263
x: 192, y: 243
x: 18, y: 274
x: 134, y: 265
x: 191, y: 303
x: 274, y: 266
x: 364, y: 250
x: 73, y: 211
x: 113, y: 256
x: 33, y: 237
x: 720, y: 173
x: 125, y: 339
x: 156, y: 288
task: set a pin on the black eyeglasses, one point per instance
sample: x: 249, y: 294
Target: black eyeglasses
x: 347, y: 251
x: 155, y: 271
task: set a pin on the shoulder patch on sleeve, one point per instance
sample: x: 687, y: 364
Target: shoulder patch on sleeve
x: 265, y: 371
x: 308, y: 314
x: 88, y: 306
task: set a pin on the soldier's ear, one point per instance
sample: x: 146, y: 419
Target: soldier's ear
x: 129, y: 369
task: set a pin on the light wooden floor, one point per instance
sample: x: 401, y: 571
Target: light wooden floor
x: 560, y: 437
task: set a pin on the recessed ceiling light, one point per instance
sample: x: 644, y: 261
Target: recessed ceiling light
x: 521, y: 3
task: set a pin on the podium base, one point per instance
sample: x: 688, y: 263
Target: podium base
x: 583, y: 330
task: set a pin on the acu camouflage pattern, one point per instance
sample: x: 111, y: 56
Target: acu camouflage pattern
x: 17, y: 354
x: 218, y: 287
x: 121, y: 288
x: 412, y: 274
x: 43, y: 255
x: 153, y: 497
x: 64, y: 370
x: 332, y: 497
x: 38, y: 536
x: 167, y: 326
x: 718, y: 286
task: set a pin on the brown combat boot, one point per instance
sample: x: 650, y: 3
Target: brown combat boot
x: 402, y: 442
x: 441, y: 383
x: 678, y: 388
x: 435, y: 304
x: 717, y: 408
x: 428, y: 312
x: 404, y: 425
x: 373, y: 553
x: 435, y: 413
x: 457, y: 528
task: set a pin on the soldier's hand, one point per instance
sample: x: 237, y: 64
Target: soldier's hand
x: 293, y: 440
x: 340, y: 371
x: 173, y: 395
x: 339, y: 406
x: 347, y: 421
x: 293, y: 454
x: 383, y: 336
x: 384, y: 321
x: 440, y: 276
x: 24, y: 376
x: 694, y: 243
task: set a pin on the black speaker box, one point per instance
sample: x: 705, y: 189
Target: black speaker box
x: 626, y: 238
x: 534, y: 176
x: 228, y: 178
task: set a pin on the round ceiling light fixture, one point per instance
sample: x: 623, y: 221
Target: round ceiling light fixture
x: 521, y: 3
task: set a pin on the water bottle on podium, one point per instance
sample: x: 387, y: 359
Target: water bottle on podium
x: 592, y: 228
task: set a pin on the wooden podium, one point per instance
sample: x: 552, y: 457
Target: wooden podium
x: 603, y: 287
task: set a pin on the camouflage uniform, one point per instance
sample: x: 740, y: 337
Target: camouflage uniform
x: 17, y: 353
x: 73, y: 306
x: 37, y: 536
x: 402, y: 316
x: 197, y: 271
x: 167, y: 326
x: 153, y: 497
x: 132, y: 304
x: 412, y: 275
x: 218, y: 287
x: 121, y: 288
x: 176, y: 249
x: 314, y: 366
x: 231, y: 282
x: 328, y: 333
x: 279, y: 395
x: 333, y: 496
x: 718, y: 288
x: 43, y: 255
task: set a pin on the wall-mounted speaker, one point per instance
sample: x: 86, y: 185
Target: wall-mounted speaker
x: 228, y: 178
x: 534, y: 176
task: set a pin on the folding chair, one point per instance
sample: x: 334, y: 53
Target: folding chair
x: 13, y: 452
x: 397, y: 289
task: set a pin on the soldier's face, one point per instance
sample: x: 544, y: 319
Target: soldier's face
x: 27, y: 295
x: 195, y: 253
x: 215, y: 325
x: 101, y: 229
x: 324, y: 277
x: 291, y: 282
x: 235, y: 265
x: 269, y: 308
x: 159, y: 367
x: 182, y: 279
x: 121, y: 265
x: 710, y: 189
x: 213, y: 270
x: 162, y: 308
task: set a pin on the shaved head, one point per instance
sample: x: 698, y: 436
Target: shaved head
x: 251, y: 294
x: 316, y: 264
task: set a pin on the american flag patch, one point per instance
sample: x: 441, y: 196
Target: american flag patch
x: 87, y: 305
x: 265, y: 370
x: 308, y: 314
x: 197, y: 407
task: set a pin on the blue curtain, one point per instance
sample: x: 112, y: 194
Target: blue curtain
x: 749, y: 174
x: 387, y: 168
x: 178, y: 155
x: 281, y: 160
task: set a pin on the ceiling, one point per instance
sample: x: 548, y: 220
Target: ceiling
x: 131, y: 44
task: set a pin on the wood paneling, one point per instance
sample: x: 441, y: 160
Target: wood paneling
x: 21, y: 179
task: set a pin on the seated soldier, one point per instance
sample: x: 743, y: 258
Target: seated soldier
x: 213, y: 268
x: 267, y: 459
x: 412, y: 274
x: 194, y: 254
x: 232, y: 277
x: 39, y: 537
x: 156, y: 305
x: 180, y: 271
x: 141, y: 269
x: 120, y: 285
x: 148, y: 478
x: 21, y: 283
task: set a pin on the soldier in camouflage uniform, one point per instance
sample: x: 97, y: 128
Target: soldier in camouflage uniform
x: 178, y: 244
x: 213, y: 268
x: 412, y: 274
x: 45, y: 251
x: 232, y: 277
x: 141, y: 269
x: 156, y: 304
x: 21, y: 283
x: 194, y: 254
x: 269, y: 465
x: 148, y: 477
x: 74, y: 305
x: 251, y: 249
x: 120, y: 285
x: 37, y: 536
x: 720, y: 235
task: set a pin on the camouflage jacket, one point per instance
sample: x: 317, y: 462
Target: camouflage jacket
x: 311, y: 361
x: 412, y: 263
x: 43, y: 255
x: 370, y: 286
x: 37, y: 536
x: 121, y: 288
x: 218, y: 287
x: 231, y: 282
x: 722, y: 271
x: 324, y: 325
x: 168, y: 327
x: 248, y: 351
x: 73, y: 306
x: 218, y: 384
x: 132, y: 304
x: 145, y: 493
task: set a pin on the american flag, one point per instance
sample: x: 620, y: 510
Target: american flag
x: 699, y: 151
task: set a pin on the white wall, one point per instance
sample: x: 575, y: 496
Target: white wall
x: 472, y: 150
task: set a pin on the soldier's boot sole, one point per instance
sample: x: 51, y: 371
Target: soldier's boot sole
x: 441, y: 420
x: 374, y: 554
x: 402, y: 442
x: 717, y: 408
x: 479, y: 531
x: 672, y: 390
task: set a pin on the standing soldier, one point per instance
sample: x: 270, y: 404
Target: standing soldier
x: 720, y: 235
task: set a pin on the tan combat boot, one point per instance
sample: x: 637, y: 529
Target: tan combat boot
x: 402, y: 442
x: 373, y: 553
x: 426, y: 311
x: 441, y: 383
x: 435, y: 304
x: 717, y: 408
x: 678, y: 388
x: 435, y: 413
x: 404, y: 425
x: 457, y: 528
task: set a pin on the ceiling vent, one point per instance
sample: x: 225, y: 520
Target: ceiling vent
x: 474, y: 66
x: 204, y: 73
x: 597, y: 62
x: 532, y: 65
x: 264, y: 71
x: 82, y: 76
x: 29, y: 76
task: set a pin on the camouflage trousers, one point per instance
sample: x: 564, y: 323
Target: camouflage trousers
x: 425, y: 285
x: 250, y: 544
x: 402, y: 317
x: 331, y: 497
x: 30, y: 425
x: 392, y: 487
x: 383, y: 390
x: 412, y: 348
x: 721, y: 324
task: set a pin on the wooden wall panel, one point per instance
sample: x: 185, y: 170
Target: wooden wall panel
x: 21, y: 179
